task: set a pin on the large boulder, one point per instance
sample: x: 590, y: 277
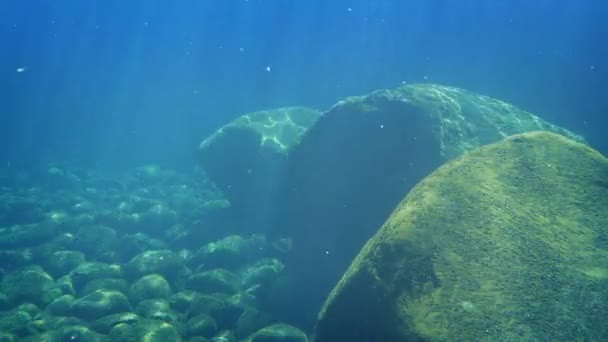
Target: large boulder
x: 351, y: 169
x: 506, y: 243
x: 245, y: 157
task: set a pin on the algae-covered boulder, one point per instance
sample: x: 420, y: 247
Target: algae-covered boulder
x: 506, y: 243
x: 30, y: 284
x: 164, y: 262
x: 27, y: 235
x: 105, y: 324
x: 99, y: 304
x: 357, y: 162
x: 280, y: 333
x: 148, y: 287
x: 60, y: 263
x: 244, y: 158
x: 90, y: 271
x: 148, y: 330
x: 201, y: 325
x: 230, y: 252
x: 214, y: 281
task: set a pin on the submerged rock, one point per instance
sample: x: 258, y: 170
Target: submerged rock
x: 164, y: 262
x: 105, y: 324
x: 351, y: 169
x: 61, y: 262
x: 230, y: 252
x: 245, y: 158
x: 148, y: 330
x: 89, y: 271
x: 99, y: 304
x: 279, y: 333
x: 506, y: 243
x: 201, y: 325
x: 214, y: 281
x: 149, y: 287
x: 30, y: 284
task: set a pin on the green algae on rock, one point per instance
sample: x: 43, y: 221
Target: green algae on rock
x: 506, y: 243
x: 244, y: 158
x: 350, y: 170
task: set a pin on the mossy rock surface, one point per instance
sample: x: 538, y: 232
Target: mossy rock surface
x: 147, y: 330
x: 245, y: 157
x: 507, y: 243
x: 352, y: 168
x: 99, y: 304
x: 279, y: 333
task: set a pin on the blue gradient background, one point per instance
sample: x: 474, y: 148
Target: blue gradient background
x: 115, y: 84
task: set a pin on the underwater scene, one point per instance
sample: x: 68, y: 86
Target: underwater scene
x: 293, y: 171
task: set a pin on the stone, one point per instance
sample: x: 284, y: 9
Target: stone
x: 224, y: 311
x: 149, y: 287
x: 116, y: 284
x: 229, y: 253
x: 164, y: 262
x: 182, y: 300
x: 61, y: 306
x: 30, y: 284
x: 148, y: 330
x: 214, y: 281
x: 73, y: 333
x: 157, y: 309
x: 89, y: 271
x: 506, y: 243
x: 201, y: 325
x: 99, y: 304
x: 351, y: 169
x: 98, y: 241
x: 104, y: 324
x: 250, y: 321
x: 60, y: 263
x: 27, y: 235
x: 245, y: 158
x: 280, y: 333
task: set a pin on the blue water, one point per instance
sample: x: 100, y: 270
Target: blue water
x: 120, y: 83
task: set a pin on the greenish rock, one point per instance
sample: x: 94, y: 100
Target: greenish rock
x: 133, y: 244
x: 157, y: 309
x: 245, y: 157
x: 98, y: 241
x: 147, y: 330
x: 105, y: 324
x: 222, y: 309
x: 224, y: 336
x: 182, y: 300
x: 229, y: 253
x: 164, y: 262
x: 506, y: 243
x: 250, y: 321
x: 44, y: 323
x: 99, y: 304
x: 60, y: 263
x: 149, y: 287
x: 7, y: 337
x: 73, y: 333
x: 30, y: 284
x: 263, y: 272
x: 280, y: 333
x: 214, y: 281
x: 61, y: 306
x: 27, y: 235
x: 201, y: 325
x: 89, y: 271
x: 352, y: 168
x: 116, y: 284
x: 15, y: 322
